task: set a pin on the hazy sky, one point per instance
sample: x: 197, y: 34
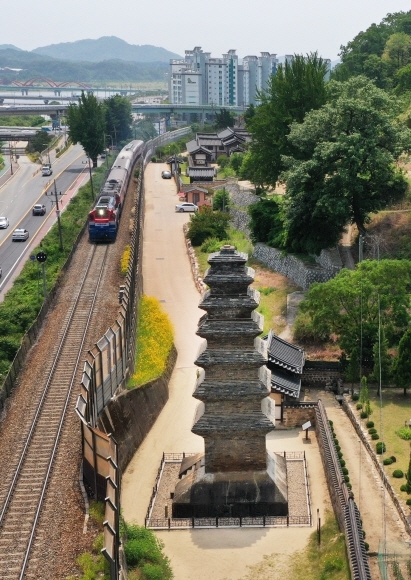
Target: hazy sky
x: 250, y: 26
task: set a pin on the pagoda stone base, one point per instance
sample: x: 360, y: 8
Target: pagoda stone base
x: 231, y: 494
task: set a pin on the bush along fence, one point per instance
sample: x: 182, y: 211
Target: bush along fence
x: 108, y: 366
x: 377, y: 464
x: 345, y: 509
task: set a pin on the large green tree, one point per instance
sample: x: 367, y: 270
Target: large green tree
x: 343, y: 167
x: 87, y: 125
x: 118, y: 118
x: 347, y: 306
x: 224, y: 119
x: 297, y: 87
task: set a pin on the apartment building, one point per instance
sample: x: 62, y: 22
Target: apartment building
x: 200, y: 79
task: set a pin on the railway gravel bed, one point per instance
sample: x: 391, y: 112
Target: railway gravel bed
x: 61, y: 534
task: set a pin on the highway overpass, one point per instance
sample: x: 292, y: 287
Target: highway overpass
x: 51, y: 110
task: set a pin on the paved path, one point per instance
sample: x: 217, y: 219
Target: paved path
x: 198, y: 554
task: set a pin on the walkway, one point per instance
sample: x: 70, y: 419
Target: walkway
x: 197, y: 554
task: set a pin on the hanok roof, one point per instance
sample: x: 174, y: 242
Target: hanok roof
x: 284, y: 383
x: 284, y: 354
x: 187, y: 190
x: 200, y: 171
x: 194, y: 147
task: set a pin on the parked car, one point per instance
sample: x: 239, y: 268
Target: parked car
x: 4, y: 223
x: 39, y: 209
x: 166, y: 174
x: 186, y: 207
x: 20, y: 235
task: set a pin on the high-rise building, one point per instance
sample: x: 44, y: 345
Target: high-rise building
x: 199, y: 79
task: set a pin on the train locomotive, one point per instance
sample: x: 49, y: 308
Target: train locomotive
x: 104, y: 218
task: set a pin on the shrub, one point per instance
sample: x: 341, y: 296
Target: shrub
x: 346, y: 478
x: 366, y: 546
x: 125, y: 259
x: 137, y: 173
x: 331, y: 423
x: 387, y: 461
x: 375, y: 436
x: 339, y: 454
x: 369, y: 424
x: 398, y: 473
x: 211, y: 245
x: 344, y: 470
x: 207, y: 223
x: 358, y: 406
x: 404, y: 433
x: 223, y: 161
x: 342, y: 462
x: 363, y: 414
x: 336, y: 442
x: 393, y: 458
x: 350, y: 487
x: 154, y: 159
x: 403, y: 487
x: 355, y: 396
x: 154, y: 341
x: 380, y: 448
x: 372, y: 430
x: 408, y: 502
x: 338, y: 448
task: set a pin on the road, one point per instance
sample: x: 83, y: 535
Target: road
x: 26, y: 188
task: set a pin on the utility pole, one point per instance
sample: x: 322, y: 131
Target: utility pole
x: 11, y: 159
x: 56, y: 201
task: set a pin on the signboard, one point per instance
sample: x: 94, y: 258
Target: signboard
x: 306, y: 425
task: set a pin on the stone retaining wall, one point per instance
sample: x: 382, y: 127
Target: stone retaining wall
x: 319, y: 377
x: 296, y: 415
x: 130, y: 415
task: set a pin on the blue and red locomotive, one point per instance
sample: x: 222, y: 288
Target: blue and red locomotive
x: 103, y: 220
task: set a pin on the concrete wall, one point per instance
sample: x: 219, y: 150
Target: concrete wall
x: 130, y: 416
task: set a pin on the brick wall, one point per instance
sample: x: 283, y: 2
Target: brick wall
x: 295, y: 416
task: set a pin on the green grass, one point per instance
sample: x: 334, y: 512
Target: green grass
x: 154, y: 342
x: 184, y: 178
x: 396, y: 411
x: 325, y: 562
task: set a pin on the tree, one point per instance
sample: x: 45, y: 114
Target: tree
x: 353, y: 369
x: 87, y: 125
x: 118, y: 118
x: 408, y: 476
x: 397, y: 50
x: 266, y: 223
x: 296, y: 88
x: 402, y: 367
x: 40, y: 142
x: 221, y: 200
x: 207, y: 223
x: 381, y: 347
x: 236, y: 160
x: 249, y: 114
x: 343, y: 167
x: 144, y: 130
x: 224, y: 119
x: 364, y: 391
x: 347, y: 305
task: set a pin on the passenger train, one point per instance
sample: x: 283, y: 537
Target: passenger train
x: 104, y: 218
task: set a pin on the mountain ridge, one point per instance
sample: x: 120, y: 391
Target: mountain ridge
x: 105, y: 48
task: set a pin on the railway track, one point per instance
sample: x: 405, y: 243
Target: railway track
x: 22, y: 497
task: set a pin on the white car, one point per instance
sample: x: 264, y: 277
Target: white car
x: 4, y: 223
x: 186, y: 207
x: 20, y: 235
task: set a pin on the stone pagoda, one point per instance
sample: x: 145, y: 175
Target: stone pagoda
x: 235, y: 476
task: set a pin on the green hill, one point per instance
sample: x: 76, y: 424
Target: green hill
x: 106, y: 48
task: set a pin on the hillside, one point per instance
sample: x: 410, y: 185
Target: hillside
x: 36, y: 65
x: 106, y: 48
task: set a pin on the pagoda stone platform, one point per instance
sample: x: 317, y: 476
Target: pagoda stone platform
x: 235, y: 476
